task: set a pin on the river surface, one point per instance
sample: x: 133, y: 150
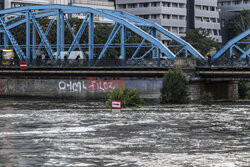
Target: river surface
x: 51, y: 133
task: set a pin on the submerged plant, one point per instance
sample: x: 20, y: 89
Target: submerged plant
x: 128, y: 97
x: 207, y: 98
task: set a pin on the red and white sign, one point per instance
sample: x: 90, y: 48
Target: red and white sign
x: 23, y: 65
x: 116, y: 104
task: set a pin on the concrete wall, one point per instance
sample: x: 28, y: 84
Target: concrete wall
x: 97, y: 88
x: 87, y: 88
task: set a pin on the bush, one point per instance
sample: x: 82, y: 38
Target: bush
x: 174, y: 88
x: 243, y: 90
x: 207, y: 98
x: 128, y: 97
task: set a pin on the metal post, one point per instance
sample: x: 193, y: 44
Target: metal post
x: 158, y: 57
x: 62, y: 31
x: 58, y: 35
x: 28, y: 38
x: 34, y: 42
x: 91, y: 39
x: 123, y: 47
x: 6, y: 41
x: 153, y: 33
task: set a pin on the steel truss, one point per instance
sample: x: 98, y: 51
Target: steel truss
x: 233, y: 45
x: 123, y: 22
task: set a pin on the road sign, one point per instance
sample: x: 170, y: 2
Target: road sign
x: 23, y: 65
x: 116, y: 104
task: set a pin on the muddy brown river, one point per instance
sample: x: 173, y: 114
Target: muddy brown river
x: 53, y: 133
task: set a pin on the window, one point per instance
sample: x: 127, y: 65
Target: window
x: 175, y: 5
x: 122, y: 6
x: 132, y: 5
x: 143, y: 5
x: 155, y: 16
x: 166, y: 16
x: 155, y: 4
x: 144, y: 16
x: 175, y: 17
x: 166, y: 4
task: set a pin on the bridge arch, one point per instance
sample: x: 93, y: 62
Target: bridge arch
x: 29, y: 15
x: 233, y: 45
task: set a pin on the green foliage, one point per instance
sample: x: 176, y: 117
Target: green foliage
x: 174, y: 90
x: 244, y: 90
x: 128, y: 97
x: 238, y: 24
x: 207, y: 98
x: 200, y: 40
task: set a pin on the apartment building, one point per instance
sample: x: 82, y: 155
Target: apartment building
x: 18, y: 3
x: 176, y: 15
x: 104, y: 4
x: 229, y: 8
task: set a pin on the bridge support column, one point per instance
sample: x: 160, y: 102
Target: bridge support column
x: 91, y: 39
x: 58, y: 35
x: 62, y: 31
x: 33, y: 43
x: 28, y: 38
x: 222, y: 90
x: 123, y: 43
x: 6, y: 41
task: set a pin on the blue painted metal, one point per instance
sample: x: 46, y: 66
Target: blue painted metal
x: 62, y: 30
x: 126, y: 21
x: 73, y: 34
x: 58, y: 34
x: 230, y: 44
x: 160, y: 29
x: 33, y: 42
x: 123, y: 43
x: 28, y: 38
x: 17, y: 48
x: 141, y: 44
x: 78, y: 35
x: 46, y: 33
x: 150, y: 50
x: 43, y: 37
x: 112, y: 36
x: 91, y: 39
x: 6, y: 40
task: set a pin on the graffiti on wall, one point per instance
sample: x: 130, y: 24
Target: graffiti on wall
x: 93, y: 83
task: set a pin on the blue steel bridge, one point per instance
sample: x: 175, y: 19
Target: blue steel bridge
x: 124, y: 25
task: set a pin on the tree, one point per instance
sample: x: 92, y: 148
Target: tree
x: 175, y: 86
x: 238, y: 24
x: 200, y: 40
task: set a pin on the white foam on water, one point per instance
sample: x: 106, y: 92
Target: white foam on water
x: 12, y: 115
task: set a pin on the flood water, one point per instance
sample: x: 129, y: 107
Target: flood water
x: 50, y: 133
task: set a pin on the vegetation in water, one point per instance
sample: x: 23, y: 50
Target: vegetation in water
x: 128, y: 97
x: 207, y: 98
x: 175, y: 87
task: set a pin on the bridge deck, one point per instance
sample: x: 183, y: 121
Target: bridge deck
x: 66, y: 72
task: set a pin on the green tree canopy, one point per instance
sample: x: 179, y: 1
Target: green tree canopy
x: 200, y: 40
x: 238, y: 24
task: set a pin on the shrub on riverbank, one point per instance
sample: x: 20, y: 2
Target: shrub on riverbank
x: 207, y: 98
x: 175, y: 87
x: 244, y: 90
x: 128, y: 97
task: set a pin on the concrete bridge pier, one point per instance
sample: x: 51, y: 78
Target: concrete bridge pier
x: 221, y: 89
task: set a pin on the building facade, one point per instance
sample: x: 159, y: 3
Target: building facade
x: 229, y: 8
x: 176, y: 15
x: 18, y: 3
